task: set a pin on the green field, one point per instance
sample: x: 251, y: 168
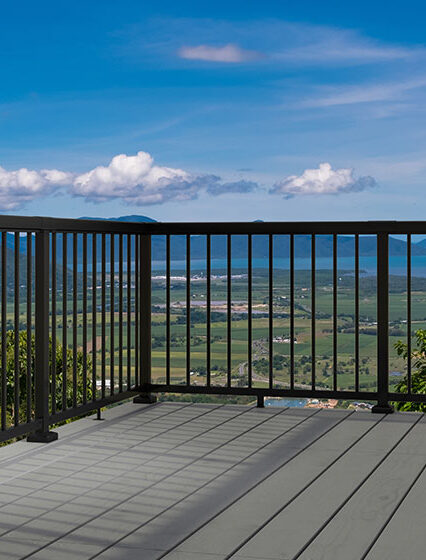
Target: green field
x: 323, y: 336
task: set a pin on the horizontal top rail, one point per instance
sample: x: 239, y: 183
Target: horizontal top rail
x: 263, y: 228
x: 70, y: 225
x: 33, y: 223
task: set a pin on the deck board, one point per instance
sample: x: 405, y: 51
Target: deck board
x: 182, y: 481
x: 355, y: 526
x: 239, y: 522
x: 286, y: 534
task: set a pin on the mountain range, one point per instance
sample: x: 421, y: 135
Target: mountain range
x: 323, y: 245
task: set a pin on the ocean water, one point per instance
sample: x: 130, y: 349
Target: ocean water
x: 291, y: 403
x: 397, y: 265
x: 368, y: 265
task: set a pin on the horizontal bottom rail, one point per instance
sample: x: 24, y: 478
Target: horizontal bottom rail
x: 88, y: 407
x: 405, y: 397
x: 20, y: 430
x: 255, y: 391
x: 297, y: 393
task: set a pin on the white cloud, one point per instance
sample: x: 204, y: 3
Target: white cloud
x: 323, y: 180
x: 228, y: 53
x: 136, y: 180
x: 24, y: 185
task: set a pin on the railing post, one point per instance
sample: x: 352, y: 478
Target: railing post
x: 145, y: 320
x: 382, y: 405
x: 41, y: 373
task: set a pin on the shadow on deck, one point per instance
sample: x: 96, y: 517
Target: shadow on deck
x: 208, y: 482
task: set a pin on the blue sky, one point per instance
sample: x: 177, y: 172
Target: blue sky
x: 232, y: 111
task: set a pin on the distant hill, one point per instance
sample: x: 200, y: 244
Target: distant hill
x: 421, y: 244
x: 131, y: 218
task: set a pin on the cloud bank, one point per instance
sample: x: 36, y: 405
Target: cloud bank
x: 24, y: 185
x: 135, y: 179
x: 228, y: 53
x: 323, y: 180
x: 138, y: 181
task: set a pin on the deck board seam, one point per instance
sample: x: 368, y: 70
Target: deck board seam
x: 85, y: 467
x: 41, y: 450
x: 267, y: 419
x: 356, y: 489
x: 67, y: 438
x: 271, y: 518
x: 154, y: 483
x: 246, y: 492
x: 396, y: 508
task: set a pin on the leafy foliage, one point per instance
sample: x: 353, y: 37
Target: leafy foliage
x: 25, y: 375
x: 418, y: 377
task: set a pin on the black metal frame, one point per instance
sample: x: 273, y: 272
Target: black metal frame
x: 137, y: 237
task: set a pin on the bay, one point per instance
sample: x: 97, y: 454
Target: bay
x: 368, y: 265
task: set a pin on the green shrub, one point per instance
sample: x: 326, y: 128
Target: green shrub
x: 418, y: 375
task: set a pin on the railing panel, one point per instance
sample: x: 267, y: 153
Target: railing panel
x: 283, y: 309
x: 92, y: 326
x: 339, y: 288
x: 17, y: 324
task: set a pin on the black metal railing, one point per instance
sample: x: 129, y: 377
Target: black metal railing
x: 93, y: 312
x: 380, y: 388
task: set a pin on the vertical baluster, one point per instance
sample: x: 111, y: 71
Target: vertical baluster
x: 129, y: 311
x: 292, y: 311
x: 120, y: 312
x: 84, y: 318
x: 137, y: 273
x: 357, y: 312
x: 250, y: 310
x: 229, y: 309
x: 112, y: 308
x: 94, y: 315
x: 271, y: 310
x: 409, y: 380
x: 334, y: 312
x: 188, y: 310
x: 208, y: 309
x: 167, y: 309
x: 313, y: 312
x: 74, y: 319
x: 53, y: 351
x: 103, y: 317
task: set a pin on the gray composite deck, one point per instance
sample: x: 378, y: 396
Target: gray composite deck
x: 208, y: 482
